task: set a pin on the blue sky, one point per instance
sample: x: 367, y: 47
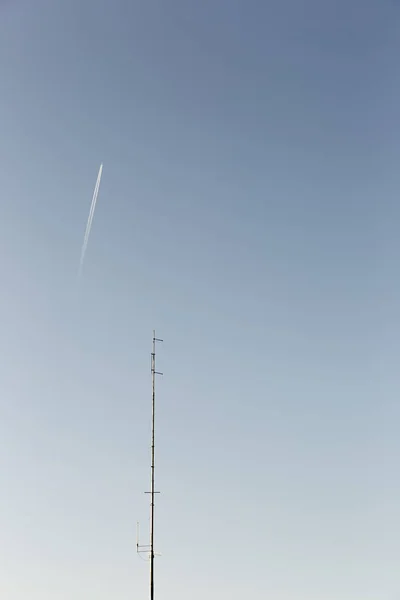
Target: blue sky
x: 249, y: 212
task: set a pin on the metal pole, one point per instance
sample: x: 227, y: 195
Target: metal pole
x: 152, y: 488
x: 149, y: 549
x: 153, y: 406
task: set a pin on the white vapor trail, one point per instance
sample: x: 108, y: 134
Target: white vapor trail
x: 90, y: 218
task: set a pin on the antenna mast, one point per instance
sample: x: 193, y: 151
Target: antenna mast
x: 149, y: 549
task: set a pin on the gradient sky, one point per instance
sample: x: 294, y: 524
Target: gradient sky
x: 249, y: 212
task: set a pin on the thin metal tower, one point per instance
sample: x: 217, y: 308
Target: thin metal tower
x: 149, y: 549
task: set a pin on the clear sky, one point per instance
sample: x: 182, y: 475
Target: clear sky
x: 249, y: 212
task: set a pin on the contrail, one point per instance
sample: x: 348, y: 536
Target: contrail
x: 90, y: 219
